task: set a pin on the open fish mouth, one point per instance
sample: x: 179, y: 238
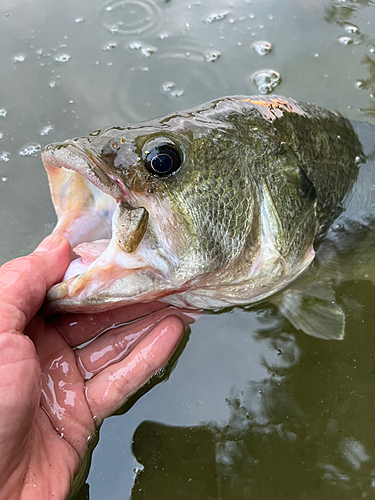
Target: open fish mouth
x: 115, y: 259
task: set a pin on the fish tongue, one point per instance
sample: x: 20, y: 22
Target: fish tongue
x: 91, y: 251
x: 129, y: 226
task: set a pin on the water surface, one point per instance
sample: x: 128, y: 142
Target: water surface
x: 250, y: 407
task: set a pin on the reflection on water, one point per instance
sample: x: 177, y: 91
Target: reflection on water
x: 342, y: 14
x: 302, y: 432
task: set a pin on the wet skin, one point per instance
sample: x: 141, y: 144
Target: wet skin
x: 52, y: 396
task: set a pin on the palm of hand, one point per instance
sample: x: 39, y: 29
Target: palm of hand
x: 52, y: 396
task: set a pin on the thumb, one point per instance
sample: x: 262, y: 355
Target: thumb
x: 25, y: 281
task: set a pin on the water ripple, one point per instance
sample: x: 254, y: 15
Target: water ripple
x: 130, y: 16
x: 154, y: 93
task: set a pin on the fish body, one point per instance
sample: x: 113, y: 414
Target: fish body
x: 215, y: 206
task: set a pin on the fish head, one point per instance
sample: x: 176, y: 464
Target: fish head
x: 151, y: 210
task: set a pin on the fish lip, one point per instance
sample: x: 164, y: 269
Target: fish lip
x: 72, y: 155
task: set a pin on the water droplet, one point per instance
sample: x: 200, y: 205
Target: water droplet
x: 30, y: 150
x: 262, y: 48
x: 1, y: 135
x: 266, y: 80
x: 148, y: 51
x: 338, y: 228
x: 163, y: 35
x: 135, y: 45
x: 160, y: 373
x: 212, y: 56
x: 52, y: 83
x: 177, y: 93
x: 62, y: 58
x: 3, y: 112
x: 351, y: 28
x: 90, y: 439
x: 359, y: 84
x: 168, y: 86
x: 372, y: 50
x: 4, y: 156
x: 4, y: 179
x: 345, y: 40
x: 278, y: 352
x: 61, y: 434
x: 110, y: 46
x: 47, y: 129
x: 78, y: 20
x: 19, y: 58
x: 216, y: 17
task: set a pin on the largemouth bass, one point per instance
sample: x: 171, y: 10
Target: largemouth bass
x: 216, y: 206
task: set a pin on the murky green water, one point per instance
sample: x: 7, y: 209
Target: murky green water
x: 252, y: 408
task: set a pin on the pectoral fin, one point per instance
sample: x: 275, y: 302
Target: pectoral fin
x: 312, y: 309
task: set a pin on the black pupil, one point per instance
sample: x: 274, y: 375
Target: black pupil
x: 162, y: 160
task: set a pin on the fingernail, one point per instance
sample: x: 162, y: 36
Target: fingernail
x: 50, y: 243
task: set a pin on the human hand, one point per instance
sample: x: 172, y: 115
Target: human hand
x: 52, y: 397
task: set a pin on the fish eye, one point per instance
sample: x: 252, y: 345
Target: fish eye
x: 162, y: 160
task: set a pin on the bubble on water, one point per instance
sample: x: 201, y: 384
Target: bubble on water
x: 78, y: 20
x: 216, y: 17
x: 19, y: 58
x: 372, y: 49
x: 1, y: 135
x: 359, y: 84
x: 212, y: 56
x: 110, y: 46
x: 3, y: 112
x: 47, y: 129
x: 52, y: 83
x: 351, y: 28
x: 130, y: 16
x: 262, y: 48
x: 345, y: 40
x: 266, y: 80
x: 177, y: 93
x: 4, y: 156
x: 30, y: 150
x: 148, y: 51
x: 135, y: 45
x: 4, y: 179
x: 62, y: 58
x: 168, y: 86
x: 164, y: 35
